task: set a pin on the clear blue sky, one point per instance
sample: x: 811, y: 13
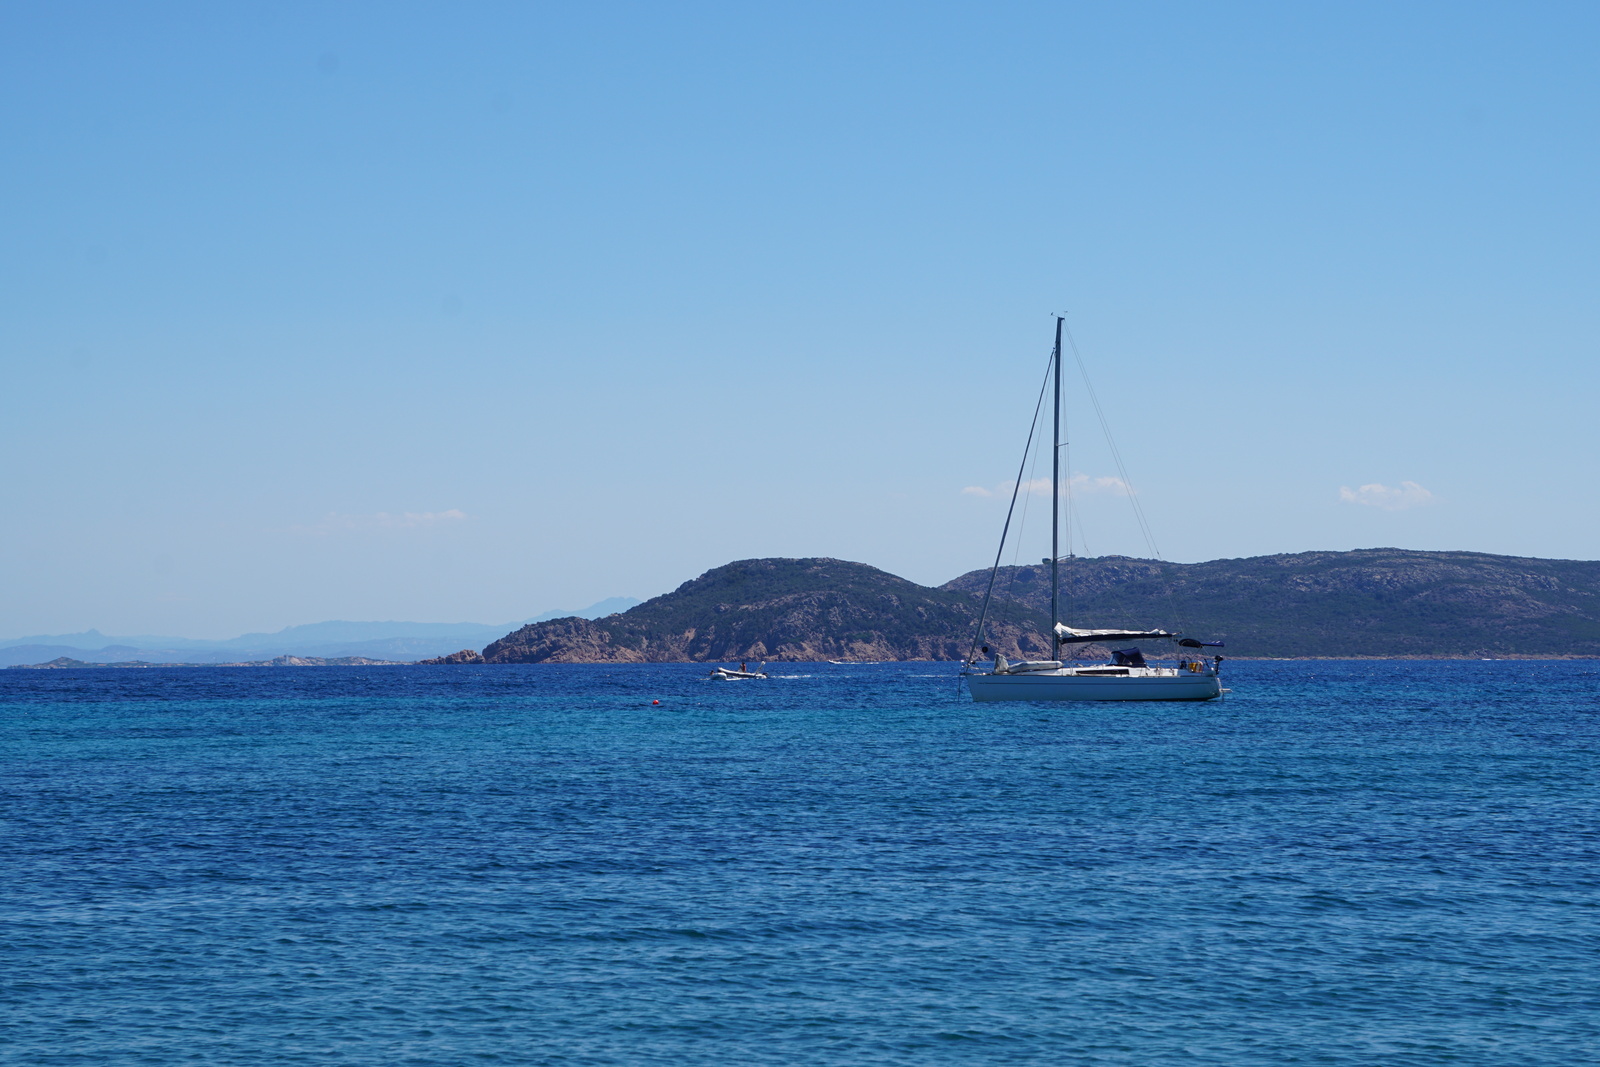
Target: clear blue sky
x: 468, y: 311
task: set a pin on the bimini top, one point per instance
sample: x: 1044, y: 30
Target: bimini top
x: 1067, y: 635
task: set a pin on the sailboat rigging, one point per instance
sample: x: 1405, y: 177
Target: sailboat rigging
x: 1128, y: 676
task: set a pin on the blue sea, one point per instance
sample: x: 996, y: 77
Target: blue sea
x: 1374, y: 863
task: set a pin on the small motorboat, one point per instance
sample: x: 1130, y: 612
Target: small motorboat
x: 728, y: 674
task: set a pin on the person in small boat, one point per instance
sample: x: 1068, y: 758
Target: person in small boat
x: 742, y: 668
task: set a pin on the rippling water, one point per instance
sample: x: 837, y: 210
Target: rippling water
x: 1341, y: 863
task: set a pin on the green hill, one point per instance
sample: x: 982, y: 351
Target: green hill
x: 775, y: 610
x: 1371, y: 602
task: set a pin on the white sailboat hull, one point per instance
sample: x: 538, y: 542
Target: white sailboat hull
x: 1067, y: 685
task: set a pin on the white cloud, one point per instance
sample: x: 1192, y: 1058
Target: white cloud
x: 419, y: 518
x: 1037, y: 485
x: 383, y: 520
x: 1078, y: 483
x: 1407, y: 495
x: 1082, y: 483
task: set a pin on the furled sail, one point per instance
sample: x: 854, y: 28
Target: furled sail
x: 1068, y: 635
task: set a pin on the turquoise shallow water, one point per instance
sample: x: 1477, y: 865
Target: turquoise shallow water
x: 1341, y: 863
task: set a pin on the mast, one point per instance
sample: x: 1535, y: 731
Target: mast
x: 1055, y: 500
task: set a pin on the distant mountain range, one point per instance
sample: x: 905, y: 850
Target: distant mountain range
x: 68, y: 663
x: 319, y: 640
x: 1372, y: 602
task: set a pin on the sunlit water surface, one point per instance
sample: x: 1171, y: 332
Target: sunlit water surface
x: 1341, y: 863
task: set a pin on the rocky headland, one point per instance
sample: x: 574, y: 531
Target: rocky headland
x: 778, y: 610
x: 466, y: 656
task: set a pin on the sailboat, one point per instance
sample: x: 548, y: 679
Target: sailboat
x: 1128, y: 676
